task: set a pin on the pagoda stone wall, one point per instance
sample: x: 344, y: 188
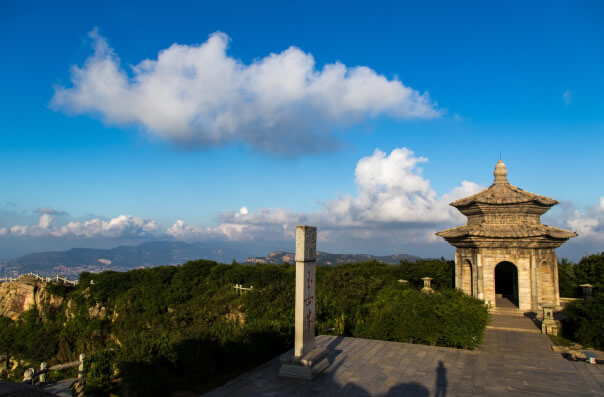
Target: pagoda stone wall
x: 537, y: 274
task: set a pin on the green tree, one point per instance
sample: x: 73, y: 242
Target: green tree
x: 441, y: 271
x: 585, y: 322
x: 590, y: 270
x: 34, y: 339
x: 567, y: 280
x: 99, y: 371
x: 7, y: 339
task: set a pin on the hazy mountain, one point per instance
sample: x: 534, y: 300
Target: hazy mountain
x: 126, y: 257
x: 324, y: 258
x: 155, y: 253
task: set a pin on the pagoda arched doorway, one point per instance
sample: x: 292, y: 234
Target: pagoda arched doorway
x: 506, y: 284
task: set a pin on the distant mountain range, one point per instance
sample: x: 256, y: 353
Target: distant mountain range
x: 125, y: 257
x: 156, y: 253
x: 324, y: 258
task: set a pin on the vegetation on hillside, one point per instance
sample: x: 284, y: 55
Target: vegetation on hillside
x: 185, y: 328
x: 585, y: 322
x: 589, y: 270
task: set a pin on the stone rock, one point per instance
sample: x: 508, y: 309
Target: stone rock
x: 19, y: 296
x: 97, y: 311
x: 235, y: 316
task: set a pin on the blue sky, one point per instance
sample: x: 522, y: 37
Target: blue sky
x: 219, y: 124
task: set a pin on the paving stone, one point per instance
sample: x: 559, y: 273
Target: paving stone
x: 507, y: 364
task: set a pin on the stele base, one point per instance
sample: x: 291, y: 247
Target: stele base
x: 305, y: 367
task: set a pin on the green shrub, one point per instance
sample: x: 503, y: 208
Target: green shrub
x: 448, y: 318
x: 585, y: 322
x: 99, y: 368
x: 441, y: 271
x: 185, y: 327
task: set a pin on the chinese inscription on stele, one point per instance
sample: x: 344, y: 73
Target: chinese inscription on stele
x: 309, y: 304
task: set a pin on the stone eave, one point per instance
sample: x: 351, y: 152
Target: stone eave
x: 542, y: 242
x: 504, y: 193
x: 506, y: 231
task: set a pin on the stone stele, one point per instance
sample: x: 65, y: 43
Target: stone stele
x: 308, y: 360
x: 504, y: 250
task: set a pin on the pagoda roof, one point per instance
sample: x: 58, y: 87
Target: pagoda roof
x: 503, y: 192
x: 519, y: 224
x: 505, y: 231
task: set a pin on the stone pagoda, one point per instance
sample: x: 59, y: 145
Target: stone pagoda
x: 504, y: 255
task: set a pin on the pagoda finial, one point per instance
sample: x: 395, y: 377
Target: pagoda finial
x: 500, y: 173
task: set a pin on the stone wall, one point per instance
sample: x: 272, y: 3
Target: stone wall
x: 537, y: 274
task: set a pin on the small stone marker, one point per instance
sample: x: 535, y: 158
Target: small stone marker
x: 549, y: 325
x: 308, y: 360
x: 587, y: 290
x: 427, y: 286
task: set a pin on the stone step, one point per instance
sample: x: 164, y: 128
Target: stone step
x: 508, y: 312
x: 526, y: 329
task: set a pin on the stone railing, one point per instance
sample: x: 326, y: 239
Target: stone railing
x: 57, y: 279
x: 564, y: 301
x: 240, y: 288
x: 30, y: 374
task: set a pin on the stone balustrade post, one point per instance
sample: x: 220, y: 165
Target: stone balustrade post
x: 28, y: 376
x: 43, y: 370
x: 81, y: 366
x: 308, y: 360
x: 427, y: 284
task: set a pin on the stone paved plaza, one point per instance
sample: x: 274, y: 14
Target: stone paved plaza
x: 511, y: 362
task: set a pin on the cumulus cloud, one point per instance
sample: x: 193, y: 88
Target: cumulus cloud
x: 229, y: 231
x: 393, y: 190
x: 394, y: 202
x: 121, y: 226
x: 393, y: 197
x: 589, y: 224
x: 198, y: 95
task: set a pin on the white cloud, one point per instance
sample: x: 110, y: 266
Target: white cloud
x: 567, y: 97
x: 393, y: 198
x: 121, y: 226
x: 392, y: 190
x: 394, y: 202
x: 199, y: 95
x: 3, y: 231
x: 229, y: 231
x: 589, y: 225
